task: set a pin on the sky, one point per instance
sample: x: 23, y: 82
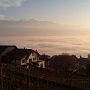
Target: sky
x: 51, y: 26
x: 45, y: 17
x: 69, y: 12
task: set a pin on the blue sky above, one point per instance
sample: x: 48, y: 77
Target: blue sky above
x: 61, y: 11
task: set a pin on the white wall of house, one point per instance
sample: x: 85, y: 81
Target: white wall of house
x: 41, y: 64
x: 33, y: 57
x: 23, y: 61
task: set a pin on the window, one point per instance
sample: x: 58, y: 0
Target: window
x: 30, y: 60
x: 23, y: 61
x: 34, y: 58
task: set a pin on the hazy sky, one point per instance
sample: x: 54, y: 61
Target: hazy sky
x: 47, y: 18
x: 70, y: 17
x: 63, y: 11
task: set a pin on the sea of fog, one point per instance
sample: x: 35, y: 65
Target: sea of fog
x: 51, y: 45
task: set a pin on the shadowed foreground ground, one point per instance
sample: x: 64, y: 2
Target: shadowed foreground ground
x: 20, y: 78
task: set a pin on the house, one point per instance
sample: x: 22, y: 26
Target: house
x: 83, y: 64
x: 46, y: 59
x: 4, y: 49
x: 23, y: 57
x: 41, y: 63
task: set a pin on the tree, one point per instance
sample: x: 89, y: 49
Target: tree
x: 64, y: 63
x: 88, y: 69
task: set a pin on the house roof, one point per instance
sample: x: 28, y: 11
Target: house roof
x: 84, y: 61
x: 18, y: 54
x: 4, y: 47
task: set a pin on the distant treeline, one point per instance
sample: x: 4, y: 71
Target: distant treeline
x: 68, y: 64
